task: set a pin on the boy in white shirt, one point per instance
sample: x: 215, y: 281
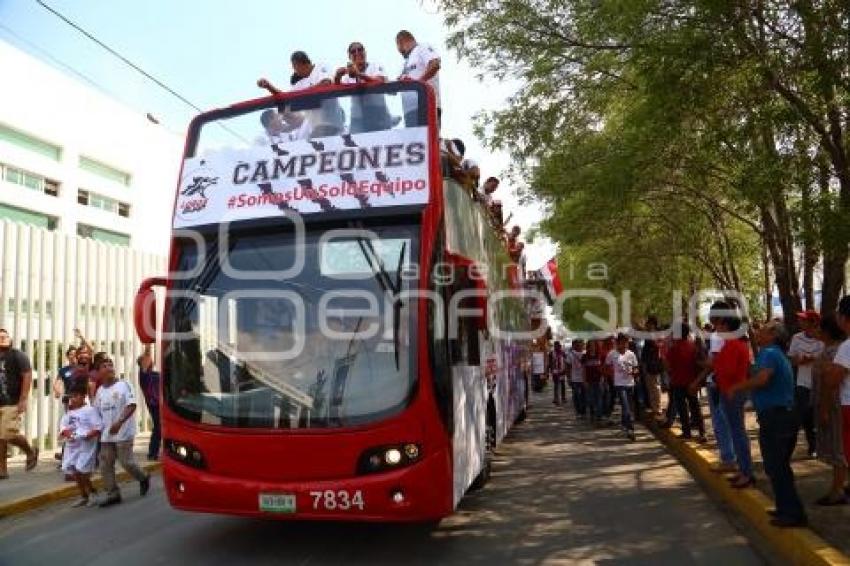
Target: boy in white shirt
x: 80, y: 427
x: 623, y: 365
x: 116, y: 403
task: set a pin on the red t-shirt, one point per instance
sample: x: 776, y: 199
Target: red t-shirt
x: 682, y: 358
x: 731, y: 364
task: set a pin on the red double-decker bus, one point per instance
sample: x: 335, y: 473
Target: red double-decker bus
x: 339, y: 337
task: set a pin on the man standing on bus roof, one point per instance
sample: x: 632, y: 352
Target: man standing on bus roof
x: 327, y: 119
x: 369, y: 112
x: 421, y: 63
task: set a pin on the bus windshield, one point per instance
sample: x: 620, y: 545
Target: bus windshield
x: 352, y: 148
x: 264, y: 339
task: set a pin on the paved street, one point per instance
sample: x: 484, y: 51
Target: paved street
x: 560, y: 493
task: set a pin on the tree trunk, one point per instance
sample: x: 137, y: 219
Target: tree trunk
x: 810, y: 254
x: 768, y: 287
x: 782, y: 258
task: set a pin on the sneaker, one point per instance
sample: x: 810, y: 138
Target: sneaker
x: 813, y: 454
x: 32, y: 460
x: 829, y: 501
x: 742, y: 482
x: 723, y: 467
x: 144, y: 486
x: 786, y: 523
x: 82, y: 502
x: 110, y: 500
x: 92, y: 501
x: 631, y: 435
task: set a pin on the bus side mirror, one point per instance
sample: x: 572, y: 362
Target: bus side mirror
x: 144, y: 310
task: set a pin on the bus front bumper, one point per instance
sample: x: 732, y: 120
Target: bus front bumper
x: 420, y: 492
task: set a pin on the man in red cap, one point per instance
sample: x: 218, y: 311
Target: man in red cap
x: 804, y: 350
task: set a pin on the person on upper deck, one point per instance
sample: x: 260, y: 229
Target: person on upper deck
x: 327, y: 118
x: 421, y: 63
x: 369, y: 112
x: 490, y: 186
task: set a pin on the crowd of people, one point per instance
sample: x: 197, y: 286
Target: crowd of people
x: 98, y: 425
x: 791, y: 384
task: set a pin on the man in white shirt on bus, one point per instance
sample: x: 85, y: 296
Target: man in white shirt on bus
x: 805, y: 349
x: 421, y: 63
x: 369, y: 112
x: 325, y: 120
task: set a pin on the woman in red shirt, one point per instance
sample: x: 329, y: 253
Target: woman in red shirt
x: 732, y: 366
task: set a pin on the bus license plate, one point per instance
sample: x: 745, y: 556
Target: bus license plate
x: 277, y: 502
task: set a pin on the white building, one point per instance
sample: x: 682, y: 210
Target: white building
x: 74, y: 160
x: 86, y: 197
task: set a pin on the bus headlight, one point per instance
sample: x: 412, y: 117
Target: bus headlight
x: 384, y: 458
x: 392, y: 456
x: 185, y: 453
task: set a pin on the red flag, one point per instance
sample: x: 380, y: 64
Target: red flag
x: 553, y: 280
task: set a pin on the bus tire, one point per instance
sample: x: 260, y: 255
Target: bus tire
x: 490, y: 447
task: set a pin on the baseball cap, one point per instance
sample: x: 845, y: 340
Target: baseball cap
x: 809, y: 314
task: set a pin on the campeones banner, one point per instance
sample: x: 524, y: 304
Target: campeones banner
x: 375, y: 169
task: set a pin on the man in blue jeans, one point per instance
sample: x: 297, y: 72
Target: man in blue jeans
x: 773, y: 398
x: 622, y: 364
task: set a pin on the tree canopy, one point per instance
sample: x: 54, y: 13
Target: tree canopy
x: 685, y: 144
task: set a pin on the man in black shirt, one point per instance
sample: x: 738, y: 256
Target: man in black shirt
x: 15, y: 383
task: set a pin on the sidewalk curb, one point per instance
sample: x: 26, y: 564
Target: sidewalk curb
x: 65, y: 491
x: 798, y: 545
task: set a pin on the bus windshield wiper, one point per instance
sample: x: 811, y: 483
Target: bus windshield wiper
x: 387, y: 285
x: 397, y: 303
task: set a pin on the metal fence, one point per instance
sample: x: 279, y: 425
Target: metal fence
x: 52, y: 283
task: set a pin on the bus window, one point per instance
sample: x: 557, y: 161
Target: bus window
x: 465, y: 345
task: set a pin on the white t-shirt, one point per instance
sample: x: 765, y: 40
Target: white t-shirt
x: 320, y: 73
x: 576, y: 367
x: 715, y: 344
x: 79, y: 453
x: 802, y: 344
x: 372, y: 70
x: 623, y: 365
x: 329, y: 114
x: 538, y: 363
x: 415, y: 65
x: 842, y: 358
x: 110, y: 402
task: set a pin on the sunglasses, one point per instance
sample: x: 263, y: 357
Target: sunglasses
x: 354, y: 50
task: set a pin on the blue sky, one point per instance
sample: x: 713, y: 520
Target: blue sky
x: 213, y: 51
